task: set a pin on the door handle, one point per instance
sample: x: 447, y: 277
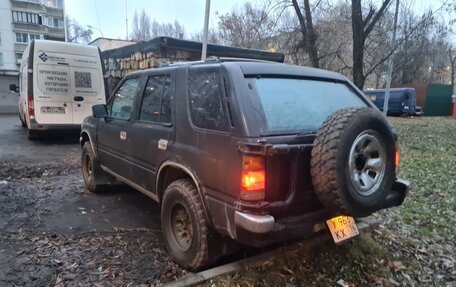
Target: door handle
x: 78, y: 98
x: 162, y: 144
x: 123, y: 135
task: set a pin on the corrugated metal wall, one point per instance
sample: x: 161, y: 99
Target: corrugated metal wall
x: 438, y: 100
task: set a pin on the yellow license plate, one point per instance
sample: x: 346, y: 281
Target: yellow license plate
x: 342, y: 228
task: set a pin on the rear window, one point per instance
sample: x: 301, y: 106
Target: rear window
x: 300, y: 105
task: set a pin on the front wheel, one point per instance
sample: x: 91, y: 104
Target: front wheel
x: 188, y: 237
x: 95, y: 179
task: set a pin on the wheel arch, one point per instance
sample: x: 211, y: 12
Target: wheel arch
x: 170, y: 171
x: 85, y: 137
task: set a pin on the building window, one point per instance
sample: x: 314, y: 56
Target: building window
x: 25, y: 38
x: 54, y: 3
x: 1, y: 59
x: 54, y: 22
x: 21, y: 38
x: 19, y: 56
x: 25, y: 17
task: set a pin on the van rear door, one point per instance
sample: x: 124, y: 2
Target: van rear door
x: 87, y: 86
x: 52, y: 98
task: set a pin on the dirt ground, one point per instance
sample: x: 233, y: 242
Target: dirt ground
x: 54, y: 233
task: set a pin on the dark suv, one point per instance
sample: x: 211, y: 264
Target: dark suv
x: 243, y: 150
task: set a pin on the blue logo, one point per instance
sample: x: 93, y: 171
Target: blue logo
x: 43, y: 57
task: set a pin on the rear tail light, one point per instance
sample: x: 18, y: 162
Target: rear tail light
x: 30, y: 106
x: 253, y: 178
x: 397, y: 157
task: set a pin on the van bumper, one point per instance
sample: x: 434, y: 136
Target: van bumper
x: 34, y: 125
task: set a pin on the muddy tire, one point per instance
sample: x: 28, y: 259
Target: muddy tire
x: 96, y: 180
x: 189, y: 239
x: 352, y: 162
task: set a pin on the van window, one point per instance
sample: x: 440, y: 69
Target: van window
x: 205, y: 98
x: 122, y: 104
x: 156, y: 102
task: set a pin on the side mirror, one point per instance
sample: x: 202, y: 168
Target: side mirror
x: 14, y: 88
x: 100, y: 111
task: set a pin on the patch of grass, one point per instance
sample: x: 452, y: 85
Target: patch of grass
x: 360, y: 262
x: 428, y: 148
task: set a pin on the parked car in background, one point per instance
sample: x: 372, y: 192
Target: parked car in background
x: 402, y: 101
x: 243, y: 150
x: 58, y: 85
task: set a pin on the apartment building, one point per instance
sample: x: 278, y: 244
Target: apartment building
x: 20, y: 22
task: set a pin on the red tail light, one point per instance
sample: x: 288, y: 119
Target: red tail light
x: 397, y: 158
x: 253, y: 178
x: 30, y: 106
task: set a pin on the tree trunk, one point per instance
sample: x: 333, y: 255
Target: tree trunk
x: 453, y: 66
x: 307, y: 30
x: 313, y: 54
x: 358, y: 44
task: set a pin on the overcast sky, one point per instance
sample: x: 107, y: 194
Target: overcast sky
x: 109, y: 15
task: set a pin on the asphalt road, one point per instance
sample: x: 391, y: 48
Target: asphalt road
x: 68, y: 206
x: 15, y: 145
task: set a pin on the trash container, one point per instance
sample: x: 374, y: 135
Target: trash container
x: 454, y: 106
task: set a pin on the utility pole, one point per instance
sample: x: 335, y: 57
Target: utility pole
x: 206, y: 28
x: 390, y: 63
x: 126, y: 20
x: 65, y: 22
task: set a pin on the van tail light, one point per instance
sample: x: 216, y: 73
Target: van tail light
x: 253, y: 178
x: 397, y: 157
x: 30, y: 106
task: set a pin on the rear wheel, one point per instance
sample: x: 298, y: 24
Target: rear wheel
x: 95, y: 179
x: 189, y: 239
x: 353, y: 162
x: 23, y: 123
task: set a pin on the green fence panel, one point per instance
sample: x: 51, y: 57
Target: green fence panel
x: 438, y: 100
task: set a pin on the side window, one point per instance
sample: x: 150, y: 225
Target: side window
x: 122, y: 104
x: 205, y: 98
x: 156, y: 102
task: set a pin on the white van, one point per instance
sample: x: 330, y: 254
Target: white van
x: 58, y: 84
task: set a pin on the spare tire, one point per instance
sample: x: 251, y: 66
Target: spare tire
x: 352, y: 162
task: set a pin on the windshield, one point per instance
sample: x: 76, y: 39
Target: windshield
x: 300, y: 105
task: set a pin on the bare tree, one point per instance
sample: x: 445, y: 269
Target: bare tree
x: 452, y: 56
x: 77, y: 33
x: 362, y: 27
x: 307, y: 30
x: 175, y: 30
x: 141, y: 27
x: 213, y: 36
x: 248, y: 27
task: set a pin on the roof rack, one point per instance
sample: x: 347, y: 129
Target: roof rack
x: 229, y: 59
x: 214, y: 59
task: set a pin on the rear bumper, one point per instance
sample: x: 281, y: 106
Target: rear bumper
x: 260, y: 230
x: 52, y: 127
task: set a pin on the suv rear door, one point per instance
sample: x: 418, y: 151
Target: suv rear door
x: 153, y: 131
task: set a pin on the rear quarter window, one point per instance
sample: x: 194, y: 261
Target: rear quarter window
x: 300, y: 105
x: 205, y: 86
